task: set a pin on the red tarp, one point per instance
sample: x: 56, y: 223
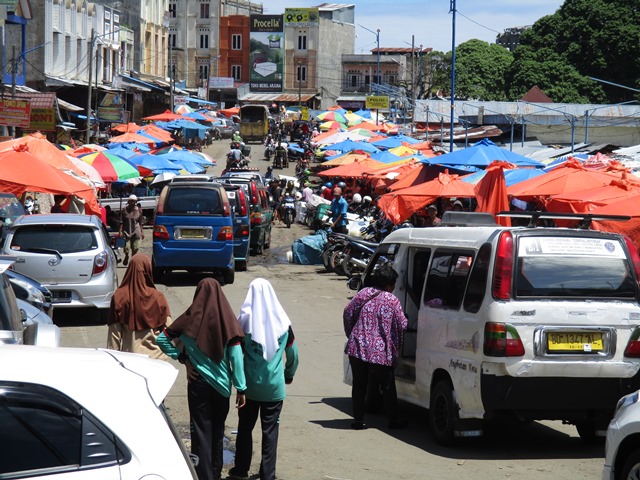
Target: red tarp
x: 584, y: 201
x: 126, y: 127
x: 401, y: 204
x: 491, y: 191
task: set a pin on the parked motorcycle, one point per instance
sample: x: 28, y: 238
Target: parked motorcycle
x: 289, y: 208
x: 356, y: 255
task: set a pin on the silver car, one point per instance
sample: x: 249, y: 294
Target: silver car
x: 70, y: 254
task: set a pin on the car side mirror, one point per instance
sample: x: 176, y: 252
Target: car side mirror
x: 354, y: 283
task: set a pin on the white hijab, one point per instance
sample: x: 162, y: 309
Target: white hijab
x: 263, y: 317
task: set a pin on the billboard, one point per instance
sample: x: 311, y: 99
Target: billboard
x: 15, y: 113
x: 301, y: 17
x: 266, y: 58
x: 374, y: 102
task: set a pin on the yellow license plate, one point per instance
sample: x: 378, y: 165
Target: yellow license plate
x: 574, y: 342
x: 191, y: 233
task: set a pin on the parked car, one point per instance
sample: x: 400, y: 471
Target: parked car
x: 261, y: 212
x: 223, y: 128
x: 533, y: 323
x: 69, y: 420
x: 31, y: 291
x: 193, y: 228
x: 252, y: 173
x: 70, y: 254
x: 241, y: 210
x: 21, y: 322
x: 622, y: 452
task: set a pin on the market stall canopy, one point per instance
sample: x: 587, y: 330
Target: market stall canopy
x: 126, y: 127
x: 186, y: 156
x: 628, y: 206
x: 332, y: 125
x: 345, y: 159
x: 483, y: 153
x: 381, y: 178
x: 401, y: 204
x: 111, y: 167
x: 353, y: 170
x: 230, y: 112
x: 157, y: 132
x: 511, y: 177
x: 491, y: 192
x: 21, y: 172
x: 571, y: 176
x: 130, y: 137
x: 416, y: 176
x: 332, y: 115
x: 350, y: 145
x: 167, y: 116
x: 156, y: 163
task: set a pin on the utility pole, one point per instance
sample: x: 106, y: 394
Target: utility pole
x: 90, y: 56
x: 300, y: 85
x: 14, y: 73
x: 452, y: 10
x: 413, y: 79
x: 171, y: 71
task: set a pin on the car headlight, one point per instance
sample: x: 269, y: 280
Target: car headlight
x: 626, y: 401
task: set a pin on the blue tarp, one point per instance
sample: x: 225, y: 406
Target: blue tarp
x: 385, y: 157
x: 179, y: 155
x: 511, y: 177
x: 484, y: 153
x: 350, y: 145
x: 308, y: 250
x: 156, y: 163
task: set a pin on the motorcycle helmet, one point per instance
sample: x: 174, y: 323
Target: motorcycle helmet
x: 328, y: 185
x: 298, y: 196
x: 290, y: 185
x: 342, y: 186
x: 357, y: 198
x: 366, y: 199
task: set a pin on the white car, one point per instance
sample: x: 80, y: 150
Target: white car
x: 71, y: 413
x: 622, y: 453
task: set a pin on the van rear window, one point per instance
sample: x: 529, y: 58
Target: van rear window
x: 193, y: 201
x: 573, y: 267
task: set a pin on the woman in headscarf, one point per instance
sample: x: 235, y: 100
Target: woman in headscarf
x: 138, y: 311
x: 267, y: 336
x: 211, y: 337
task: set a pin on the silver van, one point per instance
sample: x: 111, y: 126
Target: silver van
x: 531, y: 323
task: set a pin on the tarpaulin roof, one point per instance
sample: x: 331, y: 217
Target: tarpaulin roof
x: 483, y: 153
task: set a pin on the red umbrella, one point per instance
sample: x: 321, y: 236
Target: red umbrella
x: 132, y: 138
x: 414, y: 177
x: 401, y: 204
x: 491, y: 191
x: 353, y: 170
x: 126, y: 127
x: 38, y: 145
x: 167, y: 116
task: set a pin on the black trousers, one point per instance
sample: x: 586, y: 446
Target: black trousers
x: 367, y: 378
x: 270, y: 421
x: 208, y: 410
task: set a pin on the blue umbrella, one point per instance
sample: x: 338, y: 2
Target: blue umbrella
x: 407, y: 139
x: 389, y: 142
x: 122, y: 152
x: 156, y: 163
x: 484, y: 153
x: 176, y: 155
x: 350, y: 145
x: 363, y: 113
x: 143, y: 147
x: 197, y: 116
x: 385, y: 157
x: 511, y: 177
x: 190, y: 167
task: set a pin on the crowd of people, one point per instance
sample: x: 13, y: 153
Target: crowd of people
x: 254, y: 352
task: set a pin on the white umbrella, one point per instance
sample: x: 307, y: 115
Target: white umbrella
x: 163, y: 177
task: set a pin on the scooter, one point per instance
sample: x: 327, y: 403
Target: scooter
x: 289, y: 207
x: 356, y: 255
x: 269, y: 151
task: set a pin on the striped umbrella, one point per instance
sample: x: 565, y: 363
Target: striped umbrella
x: 111, y: 168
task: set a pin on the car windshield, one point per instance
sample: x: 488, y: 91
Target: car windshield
x: 193, y: 201
x: 573, y: 267
x: 59, y: 238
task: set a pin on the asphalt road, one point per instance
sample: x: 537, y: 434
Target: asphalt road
x: 316, y: 441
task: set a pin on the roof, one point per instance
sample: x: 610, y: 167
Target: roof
x: 400, y: 50
x: 334, y: 6
x: 38, y: 100
x: 276, y: 97
x: 536, y: 95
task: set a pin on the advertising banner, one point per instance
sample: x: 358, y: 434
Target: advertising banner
x: 15, y: 113
x: 374, y: 102
x: 43, y: 120
x: 301, y: 17
x: 111, y: 114
x: 221, y: 82
x: 266, y: 53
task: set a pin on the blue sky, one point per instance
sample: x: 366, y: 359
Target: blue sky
x: 429, y: 20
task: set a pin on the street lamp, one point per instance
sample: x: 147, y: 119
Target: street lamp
x: 377, y: 34
x: 94, y: 37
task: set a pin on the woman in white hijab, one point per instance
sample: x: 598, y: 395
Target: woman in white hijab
x: 268, y: 338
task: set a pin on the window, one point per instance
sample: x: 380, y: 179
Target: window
x: 236, y: 72
x: 204, y: 40
x: 204, y: 10
x: 236, y: 41
x: 193, y: 201
x: 172, y: 39
x: 447, y: 279
x: 301, y: 73
x: 172, y: 10
x: 203, y: 72
x: 302, y: 41
x: 44, y: 429
x: 478, y: 280
x: 61, y: 238
x: 353, y: 80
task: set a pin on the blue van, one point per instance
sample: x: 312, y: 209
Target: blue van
x: 241, y: 210
x: 193, y: 228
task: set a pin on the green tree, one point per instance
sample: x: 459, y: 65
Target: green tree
x: 481, y: 69
x: 436, y: 73
x: 584, y: 38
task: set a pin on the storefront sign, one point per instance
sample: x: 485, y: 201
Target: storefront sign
x: 111, y: 114
x: 266, y: 73
x: 220, y: 82
x: 375, y: 102
x: 15, y: 113
x: 179, y: 99
x: 301, y: 17
x: 43, y: 120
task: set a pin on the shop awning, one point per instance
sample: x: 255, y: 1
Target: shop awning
x: 69, y: 106
x: 276, y: 97
x: 138, y: 82
x: 199, y: 100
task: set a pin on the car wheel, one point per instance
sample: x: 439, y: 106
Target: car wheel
x: 157, y: 274
x: 443, y: 413
x: 229, y: 276
x: 103, y: 316
x: 241, y: 265
x: 267, y: 239
x: 631, y: 467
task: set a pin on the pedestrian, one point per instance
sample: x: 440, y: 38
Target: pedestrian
x: 338, y: 210
x: 212, y: 351
x: 131, y: 227
x: 57, y: 204
x: 139, y: 311
x: 374, y: 324
x: 307, y: 193
x: 432, y: 219
x: 268, y: 335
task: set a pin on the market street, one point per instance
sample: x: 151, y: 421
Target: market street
x: 316, y: 441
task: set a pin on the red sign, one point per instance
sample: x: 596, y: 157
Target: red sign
x: 15, y: 113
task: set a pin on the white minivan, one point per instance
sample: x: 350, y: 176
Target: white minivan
x: 532, y: 323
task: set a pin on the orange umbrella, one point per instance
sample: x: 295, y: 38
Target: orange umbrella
x: 491, y: 191
x: 38, y: 146
x: 132, y: 138
x: 353, y: 156
x: 585, y: 201
x: 229, y: 112
x: 571, y: 176
x: 628, y: 206
x: 353, y: 170
x: 381, y: 178
x: 21, y: 171
x: 419, y: 175
x: 126, y: 127
x: 157, y: 132
x: 167, y: 116
x: 401, y: 204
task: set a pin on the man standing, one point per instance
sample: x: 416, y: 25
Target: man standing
x: 131, y: 227
x: 307, y: 193
x: 338, y: 210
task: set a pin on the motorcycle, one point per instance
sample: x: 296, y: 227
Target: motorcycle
x: 289, y: 208
x: 269, y: 151
x: 356, y: 255
x: 280, y: 159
